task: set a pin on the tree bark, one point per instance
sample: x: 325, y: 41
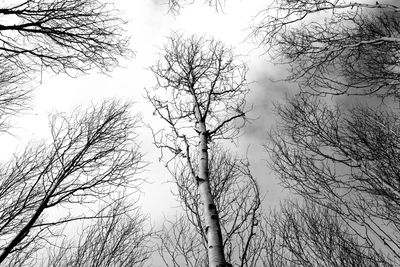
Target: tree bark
x: 212, y: 229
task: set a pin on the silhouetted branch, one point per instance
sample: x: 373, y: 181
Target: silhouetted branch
x: 117, y: 238
x: 308, y: 235
x: 200, y: 91
x: 351, y: 49
x: 238, y: 201
x: 92, y: 155
x: 346, y: 161
x: 61, y: 35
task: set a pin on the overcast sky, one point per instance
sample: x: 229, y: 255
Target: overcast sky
x: 149, y: 24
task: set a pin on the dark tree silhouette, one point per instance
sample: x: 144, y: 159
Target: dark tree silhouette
x: 345, y: 160
x: 342, y: 159
x: 92, y: 154
x: 335, y: 47
x: 66, y: 36
x: 62, y: 35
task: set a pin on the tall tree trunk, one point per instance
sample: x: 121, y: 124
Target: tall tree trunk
x: 212, y: 229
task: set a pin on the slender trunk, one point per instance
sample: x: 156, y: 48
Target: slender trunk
x: 212, y: 227
x: 21, y: 235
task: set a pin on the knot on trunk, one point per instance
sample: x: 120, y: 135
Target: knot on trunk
x: 199, y: 180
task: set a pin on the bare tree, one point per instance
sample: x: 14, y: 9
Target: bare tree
x: 202, y: 99
x: 344, y: 160
x: 66, y: 36
x: 238, y: 200
x: 308, y: 235
x: 62, y: 35
x: 92, y: 154
x: 118, y: 237
x: 335, y: 47
x: 294, y: 235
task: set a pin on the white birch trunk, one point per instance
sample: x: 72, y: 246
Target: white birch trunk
x: 212, y: 229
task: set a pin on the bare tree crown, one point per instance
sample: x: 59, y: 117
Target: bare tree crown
x: 92, y: 155
x: 203, y: 82
x: 335, y: 47
x: 62, y: 35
